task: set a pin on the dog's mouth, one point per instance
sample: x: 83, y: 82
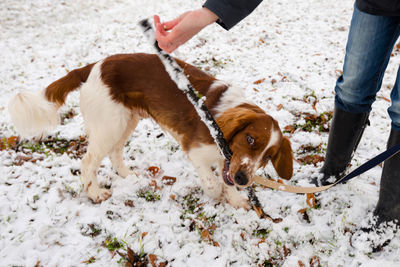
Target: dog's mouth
x: 225, y: 174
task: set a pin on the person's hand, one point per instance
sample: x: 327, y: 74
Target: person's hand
x: 171, y: 34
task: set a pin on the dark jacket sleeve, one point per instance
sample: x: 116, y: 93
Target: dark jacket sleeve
x: 230, y: 12
x: 380, y: 7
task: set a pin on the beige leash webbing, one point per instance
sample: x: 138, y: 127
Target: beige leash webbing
x: 305, y: 190
x: 290, y: 188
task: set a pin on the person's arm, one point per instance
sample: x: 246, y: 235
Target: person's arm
x: 231, y: 12
x: 171, y: 34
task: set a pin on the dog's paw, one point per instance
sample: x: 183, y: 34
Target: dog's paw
x: 97, y: 195
x: 213, y: 191
x: 126, y: 172
x: 236, y: 199
x: 239, y: 202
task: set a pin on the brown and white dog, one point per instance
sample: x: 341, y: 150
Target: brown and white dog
x: 121, y: 89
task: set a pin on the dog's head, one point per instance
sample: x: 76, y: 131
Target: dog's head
x: 255, y: 139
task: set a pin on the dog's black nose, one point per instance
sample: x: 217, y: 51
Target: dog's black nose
x: 241, y: 178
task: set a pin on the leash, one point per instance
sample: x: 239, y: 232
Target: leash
x: 306, y: 190
x: 178, y: 76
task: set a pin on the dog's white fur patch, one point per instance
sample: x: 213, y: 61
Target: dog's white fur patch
x: 245, y: 161
x: 231, y: 98
x: 273, y: 140
x: 218, y: 83
x: 108, y: 124
x: 104, y: 118
x: 32, y: 114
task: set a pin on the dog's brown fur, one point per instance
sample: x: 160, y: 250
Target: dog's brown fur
x: 121, y: 89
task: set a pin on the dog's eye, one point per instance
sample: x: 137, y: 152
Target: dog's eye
x: 250, y: 140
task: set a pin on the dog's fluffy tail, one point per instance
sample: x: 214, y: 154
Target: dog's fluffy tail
x: 35, y: 113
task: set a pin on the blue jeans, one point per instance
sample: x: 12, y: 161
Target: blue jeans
x: 369, y: 46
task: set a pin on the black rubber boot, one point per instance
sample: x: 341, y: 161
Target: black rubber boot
x: 385, y: 223
x: 344, y: 136
x: 388, y: 207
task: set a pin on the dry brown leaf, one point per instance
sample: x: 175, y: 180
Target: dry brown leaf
x: 314, y: 105
x: 10, y: 142
x: 153, y: 259
x: 258, y: 210
x: 289, y: 128
x: 286, y: 251
x: 89, y: 261
x: 154, y: 184
x: 154, y: 170
x: 168, y: 180
x: 20, y: 159
x: 305, y: 215
x: 311, y: 200
x: 205, y: 235
x: 144, y: 234
x: 131, y: 255
x: 129, y: 203
x: 172, y: 197
x: 259, y: 81
x: 215, y: 244
x: 301, y: 264
x: 242, y: 236
x: 302, y: 211
x: 279, y: 107
x: 314, y: 262
x: 311, y: 159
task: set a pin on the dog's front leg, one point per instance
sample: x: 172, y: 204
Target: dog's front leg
x: 205, y: 159
x: 235, y: 198
x: 210, y: 184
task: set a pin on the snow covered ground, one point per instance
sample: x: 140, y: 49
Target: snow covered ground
x: 286, y: 56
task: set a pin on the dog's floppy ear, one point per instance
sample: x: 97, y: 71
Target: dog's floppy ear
x: 235, y: 119
x: 283, y: 160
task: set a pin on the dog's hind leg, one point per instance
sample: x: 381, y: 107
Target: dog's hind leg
x: 104, y: 136
x: 105, y: 122
x: 116, y: 154
x: 90, y: 163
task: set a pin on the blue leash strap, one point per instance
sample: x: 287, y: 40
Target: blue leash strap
x: 371, y: 163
